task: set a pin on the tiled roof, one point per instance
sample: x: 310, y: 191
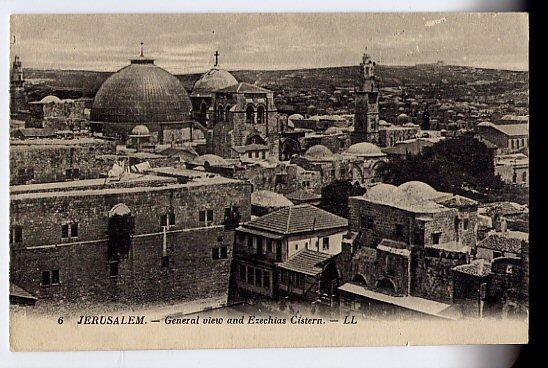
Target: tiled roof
x: 307, y: 262
x: 513, y: 129
x: 243, y: 87
x: 508, y: 241
x: 298, y: 219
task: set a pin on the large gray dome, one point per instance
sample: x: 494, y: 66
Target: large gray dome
x: 141, y: 93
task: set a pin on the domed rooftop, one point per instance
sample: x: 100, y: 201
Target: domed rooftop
x: 319, y: 153
x: 295, y: 117
x: 384, y: 123
x: 140, y: 131
x: 213, y: 80
x: 141, y: 93
x: 266, y: 198
x: 210, y: 159
x: 385, y: 193
x: 419, y: 190
x: 50, y: 99
x: 364, y: 149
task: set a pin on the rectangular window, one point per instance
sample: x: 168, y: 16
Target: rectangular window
x: 436, y: 237
x: 227, y: 213
x: 269, y: 246
x: 171, y: 218
x: 46, y: 280
x: 367, y: 222
x: 16, y: 234
x: 224, y: 252
x: 249, y: 243
x: 202, y: 216
x: 266, y: 280
x: 250, y: 276
x: 259, y: 245
x: 398, y: 231
x: 325, y: 243
x: 258, y: 276
x: 283, y: 276
x: 113, y: 269
x: 263, y: 155
x: 55, y: 277
x: 215, y: 253
x: 65, y: 231
x: 465, y: 224
x: 242, y: 273
x: 209, y: 217
x: 74, y: 230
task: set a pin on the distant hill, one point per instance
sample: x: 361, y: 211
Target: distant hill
x: 76, y: 83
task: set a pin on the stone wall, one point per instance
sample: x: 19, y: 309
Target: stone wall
x: 82, y: 262
x: 50, y: 162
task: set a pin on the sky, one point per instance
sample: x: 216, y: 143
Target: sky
x: 185, y: 43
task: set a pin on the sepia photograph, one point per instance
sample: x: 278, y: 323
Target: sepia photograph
x: 252, y: 180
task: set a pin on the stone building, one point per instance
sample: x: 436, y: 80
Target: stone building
x: 140, y: 239
x: 140, y: 93
x: 203, y: 94
x: 245, y: 116
x: 508, y: 138
x: 392, y: 134
x: 320, y: 159
x: 52, y: 112
x: 43, y: 160
x: 288, y: 252
x: 364, y: 159
x: 513, y: 168
x: 407, y: 239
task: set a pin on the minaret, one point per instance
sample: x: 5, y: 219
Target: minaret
x: 366, y: 118
x: 18, y: 97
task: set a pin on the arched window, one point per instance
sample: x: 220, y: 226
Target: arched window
x: 515, y: 178
x: 260, y: 115
x: 524, y: 177
x: 250, y: 114
x: 220, y: 113
x: 227, y: 113
x: 203, y: 113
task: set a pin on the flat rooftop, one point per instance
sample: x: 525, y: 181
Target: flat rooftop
x: 25, y: 143
x: 132, y: 183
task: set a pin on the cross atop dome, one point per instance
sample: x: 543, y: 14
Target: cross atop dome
x: 216, y: 58
x: 142, y: 50
x: 142, y: 59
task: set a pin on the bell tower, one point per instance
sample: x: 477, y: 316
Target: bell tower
x: 366, y: 113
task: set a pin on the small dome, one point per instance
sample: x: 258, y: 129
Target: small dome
x: 364, y: 149
x: 318, y: 153
x: 486, y: 124
x: 50, y: 99
x: 212, y: 160
x: 295, y: 117
x: 402, y: 117
x: 140, y: 130
x: 213, y: 80
x: 419, y: 190
x: 290, y: 124
x: 266, y: 198
x: 384, y: 123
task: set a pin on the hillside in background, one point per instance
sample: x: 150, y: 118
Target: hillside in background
x: 79, y: 83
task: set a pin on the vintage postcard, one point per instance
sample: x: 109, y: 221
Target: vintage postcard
x: 268, y: 180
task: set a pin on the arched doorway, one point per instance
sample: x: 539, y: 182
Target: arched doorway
x: 121, y: 226
x: 386, y: 286
x: 359, y: 280
x: 330, y: 279
x: 290, y: 147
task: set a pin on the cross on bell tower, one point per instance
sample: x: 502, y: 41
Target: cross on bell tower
x: 216, y: 58
x: 142, y: 50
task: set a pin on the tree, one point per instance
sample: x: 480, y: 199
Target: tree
x: 461, y: 165
x: 335, y: 196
